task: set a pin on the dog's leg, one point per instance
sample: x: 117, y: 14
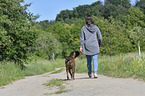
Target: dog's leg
x: 67, y: 73
x: 73, y: 72
x: 70, y: 73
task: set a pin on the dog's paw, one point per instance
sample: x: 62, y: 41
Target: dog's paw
x: 72, y: 78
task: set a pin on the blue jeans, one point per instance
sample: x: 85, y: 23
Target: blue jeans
x: 89, y: 63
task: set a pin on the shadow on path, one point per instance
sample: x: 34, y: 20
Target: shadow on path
x: 78, y: 79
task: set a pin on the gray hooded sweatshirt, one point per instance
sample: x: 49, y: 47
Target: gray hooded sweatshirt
x: 88, y: 39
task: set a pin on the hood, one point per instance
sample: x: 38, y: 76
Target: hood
x: 91, y: 29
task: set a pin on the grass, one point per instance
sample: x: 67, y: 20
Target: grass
x: 59, y: 84
x: 58, y: 71
x: 10, y: 72
x: 54, y: 82
x: 123, y: 66
x: 39, y: 66
x: 120, y: 66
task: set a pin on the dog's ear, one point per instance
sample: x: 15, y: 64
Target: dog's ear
x: 74, y: 54
x: 77, y: 53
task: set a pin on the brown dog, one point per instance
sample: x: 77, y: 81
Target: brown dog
x: 70, y: 64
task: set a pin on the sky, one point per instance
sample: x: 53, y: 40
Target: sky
x: 48, y: 9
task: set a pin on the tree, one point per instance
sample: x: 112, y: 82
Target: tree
x: 134, y: 18
x: 138, y: 35
x: 110, y: 10
x: 61, y: 33
x: 126, y: 3
x: 97, y: 9
x: 114, y: 2
x: 16, y: 35
x: 114, y: 39
x: 45, y: 24
x: 81, y: 11
x: 47, y: 44
x: 64, y: 14
x: 141, y: 5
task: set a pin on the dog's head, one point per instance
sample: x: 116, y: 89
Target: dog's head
x: 74, y: 54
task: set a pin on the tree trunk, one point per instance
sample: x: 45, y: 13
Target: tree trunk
x: 49, y: 57
x: 139, y: 48
x: 53, y: 56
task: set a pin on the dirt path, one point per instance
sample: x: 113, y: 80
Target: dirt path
x: 81, y: 86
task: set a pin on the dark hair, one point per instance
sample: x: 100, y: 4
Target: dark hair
x: 89, y: 17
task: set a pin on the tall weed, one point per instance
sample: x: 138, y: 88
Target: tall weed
x: 120, y: 66
x: 10, y: 72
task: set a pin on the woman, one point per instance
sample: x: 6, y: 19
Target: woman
x: 89, y: 44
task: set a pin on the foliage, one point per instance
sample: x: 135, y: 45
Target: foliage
x: 114, y: 38
x: 120, y: 19
x: 67, y: 35
x: 21, y: 38
x: 129, y: 65
x: 141, y: 4
x: 138, y: 36
x: 120, y: 66
x: 115, y: 32
x: 46, y: 44
x: 16, y: 35
x: 124, y: 3
x: 10, y: 72
x: 81, y: 11
x: 135, y: 17
x: 20, y: 34
x: 112, y: 8
x: 44, y: 24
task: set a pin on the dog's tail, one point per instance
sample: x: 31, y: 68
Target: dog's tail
x: 66, y: 57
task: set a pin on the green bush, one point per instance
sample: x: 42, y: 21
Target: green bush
x: 16, y: 36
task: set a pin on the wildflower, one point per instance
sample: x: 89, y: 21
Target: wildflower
x: 121, y: 62
x: 130, y: 58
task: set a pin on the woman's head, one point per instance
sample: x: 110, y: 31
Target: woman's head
x: 89, y: 20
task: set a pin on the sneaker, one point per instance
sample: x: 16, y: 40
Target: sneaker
x: 90, y: 75
x: 95, y: 75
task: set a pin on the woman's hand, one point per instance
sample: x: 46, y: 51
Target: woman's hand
x: 81, y: 49
x: 99, y: 46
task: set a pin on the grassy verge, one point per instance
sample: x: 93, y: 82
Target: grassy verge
x: 10, y: 72
x: 123, y: 66
x: 57, y: 83
x: 120, y: 66
x: 58, y: 71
